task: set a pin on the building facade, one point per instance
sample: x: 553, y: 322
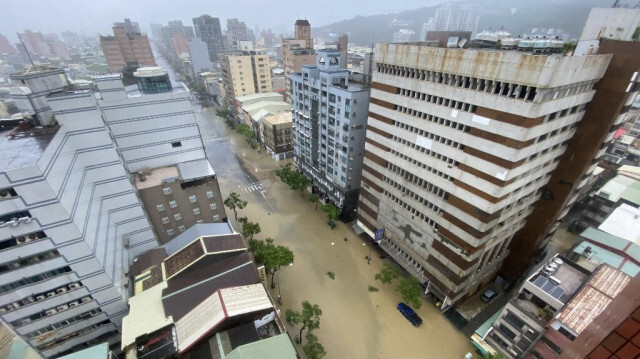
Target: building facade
x: 404, y: 35
x: 177, y: 197
x: 457, y: 17
x: 71, y: 225
x: 246, y: 73
x: 297, y: 52
x: 457, y: 152
x: 199, y: 55
x: 330, y: 119
x: 208, y: 29
x: 126, y: 47
x: 276, y: 134
x: 236, y: 31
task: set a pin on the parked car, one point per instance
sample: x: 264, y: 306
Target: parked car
x: 489, y: 295
x: 409, y: 314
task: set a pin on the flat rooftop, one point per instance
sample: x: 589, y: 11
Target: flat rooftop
x: 623, y: 222
x: 615, y: 187
x: 156, y: 176
x: 278, y: 119
x: 570, y: 279
x: 25, y: 149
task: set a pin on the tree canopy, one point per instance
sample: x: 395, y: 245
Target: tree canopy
x: 309, y: 317
x: 313, y: 349
x: 234, y: 203
x: 273, y: 257
x: 410, y: 290
x: 296, y: 181
x: 387, y: 274
x: 249, y: 229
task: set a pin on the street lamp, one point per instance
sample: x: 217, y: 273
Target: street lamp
x: 280, y: 296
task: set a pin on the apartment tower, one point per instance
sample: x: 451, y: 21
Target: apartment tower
x: 208, y: 29
x: 457, y: 151
x: 126, y: 47
x: 246, y: 73
x: 297, y: 52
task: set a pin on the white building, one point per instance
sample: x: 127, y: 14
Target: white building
x: 199, y: 54
x: 329, y: 120
x: 455, y: 17
x: 404, y: 35
x: 607, y: 23
x: 70, y: 224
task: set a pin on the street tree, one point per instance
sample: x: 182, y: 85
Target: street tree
x: 249, y: 229
x: 309, y: 317
x: 332, y: 213
x: 493, y: 356
x: 387, y: 274
x: 234, y: 203
x: 295, y: 180
x: 271, y: 256
x: 410, y: 290
x: 313, y: 349
x: 314, y: 199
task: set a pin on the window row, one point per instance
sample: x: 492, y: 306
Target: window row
x: 33, y: 279
x: 432, y: 118
x: 429, y: 135
x: 418, y: 181
x: 64, y: 323
x: 422, y: 165
x: 407, y: 192
x: 433, y: 154
x: 438, y: 100
x: 513, y: 90
x: 174, y: 204
x: 29, y: 260
x: 411, y: 210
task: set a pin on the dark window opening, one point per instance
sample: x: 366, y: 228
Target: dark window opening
x: 176, y: 144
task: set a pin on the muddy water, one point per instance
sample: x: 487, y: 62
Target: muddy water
x: 355, y: 323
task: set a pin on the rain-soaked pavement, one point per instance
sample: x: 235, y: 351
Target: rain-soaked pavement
x: 355, y: 323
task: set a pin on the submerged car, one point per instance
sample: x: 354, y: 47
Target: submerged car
x: 409, y: 314
x: 488, y: 295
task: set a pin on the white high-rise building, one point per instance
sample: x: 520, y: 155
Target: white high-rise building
x: 70, y: 224
x: 456, y: 17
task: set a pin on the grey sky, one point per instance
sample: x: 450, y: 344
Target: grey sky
x: 97, y: 16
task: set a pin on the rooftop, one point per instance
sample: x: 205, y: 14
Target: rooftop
x: 156, y: 176
x: 257, y: 96
x: 590, y: 254
x: 569, y: 278
x: 146, y: 315
x: 624, y: 222
x: 593, y: 298
x: 193, y: 170
x: 279, y: 118
x: 276, y: 347
x: 100, y: 351
x: 617, y: 186
x: 197, y: 231
x: 270, y: 106
x: 24, y: 149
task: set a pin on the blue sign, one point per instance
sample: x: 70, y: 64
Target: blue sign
x: 378, y: 235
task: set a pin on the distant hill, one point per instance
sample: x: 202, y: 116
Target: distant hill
x: 516, y: 16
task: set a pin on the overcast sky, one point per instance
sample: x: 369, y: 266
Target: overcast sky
x: 97, y: 16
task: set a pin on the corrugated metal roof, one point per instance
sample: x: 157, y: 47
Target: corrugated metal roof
x: 598, y: 236
x: 147, y: 260
x: 100, y: 351
x: 195, y: 231
x: 195, y: 169
x: 593, y: 298
x: 276, y: 347
x: 146, y: 315
x: 623, y: 222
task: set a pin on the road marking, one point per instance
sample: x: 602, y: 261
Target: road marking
x: 215, y: 139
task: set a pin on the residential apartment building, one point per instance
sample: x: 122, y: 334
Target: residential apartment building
x: 276, y: 134
x: 237, y: 31
x: 177, y: 197
x: 456, y: 17
x: 297, y: 52
x: 168, y: 32
x: 330, y: 119
x: 246, y: 73
x: 180, y: 45
x: 458, y: 151
x: 208, y: 30
x: 404, y: 35
x: 71, y: 223
x: 199, y: 55
x: 126, y: 47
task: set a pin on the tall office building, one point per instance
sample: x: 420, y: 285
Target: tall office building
x: 70, y: 223
x: 129, y: 26
x: 125, y: 47
x: 199, y: 54
x: 208, y: 30
x: 245, y: 73
x: 330, y: 120
x: 168, y: 32
x: 236, y: 31
x: 297, y: 52
x: 5, y: 46
x: 457, y: 153
x: 608, y: 32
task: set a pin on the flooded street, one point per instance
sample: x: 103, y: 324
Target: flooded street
x: 355, y: 323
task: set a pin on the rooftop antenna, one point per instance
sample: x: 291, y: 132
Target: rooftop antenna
x: 372, y: 42
x: 26, y: 50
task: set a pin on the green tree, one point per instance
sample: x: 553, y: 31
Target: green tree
x: 332, y: 213
x: 493, y: 356
x: 296, y: 181
x: 249, y: 229
x: 273, y: 257
x: 387, y: 274
x: 410, y: 290
x: 309, y: 317
x: 222, y: 112
x: 313, y: 349
x: 234, y: 203
x: 314, y: 199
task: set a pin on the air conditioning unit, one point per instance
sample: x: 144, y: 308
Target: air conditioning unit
x: 125, y: 242
x: 3, y: 310
x: 14, y: 265
x: 61, y: 290
x: 26, y: 321
x: 21, y: 239
x: 3, y: 224
x: 51, y: 312
x: 24, y: 219
x: 5, y: 194
x: 13, y: 223
x: 74, y: 304
x: 51, y: 294
x: 62, y: 308
x: 74, y: 285
x: 85, y: 299
x: 40, y: 297
x: 125, y: 281
x: 28, y: 220
x: 33, y: 236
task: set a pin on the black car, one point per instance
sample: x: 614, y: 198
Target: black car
x: 488, y: 295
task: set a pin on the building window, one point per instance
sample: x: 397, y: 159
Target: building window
x: 209, y: 194
x: 176, y: 144
x: 167, y: 190
x: 196, y: 211
x: 216, y: 217
x: 213, y: 206
x: 182, y: 228
x: 173, y: 204
x: 170, y: 232
x: 200, y: 221
x: 192, y: 198
x: 165, y: 220
x: 160, y: 207
x: 177, y: 216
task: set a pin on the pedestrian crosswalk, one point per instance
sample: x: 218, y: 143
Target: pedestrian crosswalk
x: 215, y: 139
x: 252, y: 187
